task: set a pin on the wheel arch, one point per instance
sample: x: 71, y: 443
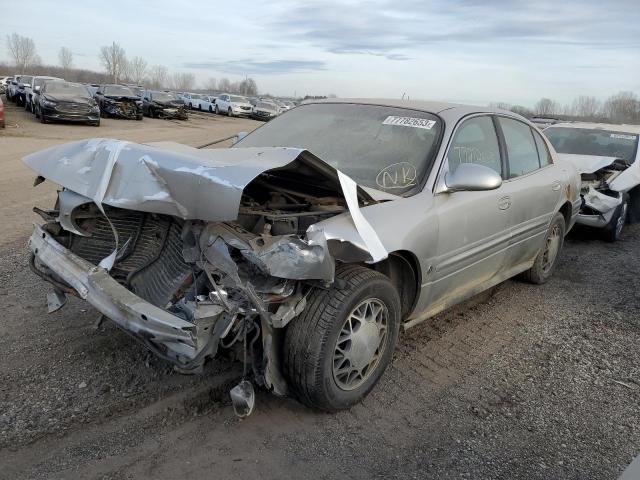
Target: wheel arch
x: 403, y: 270
x: 566, y: 210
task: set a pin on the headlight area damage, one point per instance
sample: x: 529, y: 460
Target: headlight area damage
x: 605, y: 183
x: 194, y: 251
x: 122, y: 107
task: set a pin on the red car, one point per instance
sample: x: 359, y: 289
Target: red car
x: 1, y: 114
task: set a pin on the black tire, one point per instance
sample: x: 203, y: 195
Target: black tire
x: 36, y: 111
x: 229, y: 112
x: 613, y: 230
x: 217, y: 111
x: 43, y: 118
x: 95, y: 124
x: 311, y: 340
x: 190, y: 106
x: 139, y: 117
x: 543, y: 268
x: 634, y: 205
x: 210, y: 109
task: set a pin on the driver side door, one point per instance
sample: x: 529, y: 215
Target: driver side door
x: 473, y: 226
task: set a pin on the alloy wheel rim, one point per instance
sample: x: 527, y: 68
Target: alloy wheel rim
x: 621, y: 219
x: 361, y: 342
x: 552, y: 245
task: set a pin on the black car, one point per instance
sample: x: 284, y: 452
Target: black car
x: 156, y: 104
x: 59, y: 100
x: 118, y: 101
x: 264, y: 111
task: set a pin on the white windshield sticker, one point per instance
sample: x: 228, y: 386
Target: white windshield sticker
x: 624, y: 137
x: 410, y: 122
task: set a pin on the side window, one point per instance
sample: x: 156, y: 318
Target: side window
x: 475, y: 141
x: 543, y: 150
x: 521, y: 148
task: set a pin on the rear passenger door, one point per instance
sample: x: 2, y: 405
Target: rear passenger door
x: 533, y: 187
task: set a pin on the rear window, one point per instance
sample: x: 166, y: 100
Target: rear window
x: 592, y: 141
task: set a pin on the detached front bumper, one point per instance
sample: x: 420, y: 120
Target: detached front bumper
x: 168, y: 335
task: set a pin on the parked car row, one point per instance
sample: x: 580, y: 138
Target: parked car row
x: 236, y: 105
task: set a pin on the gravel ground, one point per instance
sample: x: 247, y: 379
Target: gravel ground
x: 522, y: 382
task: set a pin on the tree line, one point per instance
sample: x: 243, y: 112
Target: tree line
x: 118, y: 68
x: 622, y: 107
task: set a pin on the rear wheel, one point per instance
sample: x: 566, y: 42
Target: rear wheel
x: 217, y: 111
x: 613, y: 230
x: 230, y: 112
x: 545, y: 262
x: 341, y: 344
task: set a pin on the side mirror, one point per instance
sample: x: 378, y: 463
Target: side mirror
x: 37, y: 88
x: 471, y: 177
x: 239, y: 136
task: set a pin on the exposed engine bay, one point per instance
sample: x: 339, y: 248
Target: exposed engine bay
x: 599, y: 197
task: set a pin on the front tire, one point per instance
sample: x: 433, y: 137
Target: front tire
x: 613, y: 230
x: 341, y: 344
x: 217, y: 111
x: 547, y: 259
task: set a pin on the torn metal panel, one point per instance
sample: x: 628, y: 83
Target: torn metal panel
x: 68, y: 201
x: 601, y: 202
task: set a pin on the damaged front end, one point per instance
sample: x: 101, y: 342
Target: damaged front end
x: 196, y: 251
x: 122, y: 107
x: 170, y: 111
x: 599, y: 194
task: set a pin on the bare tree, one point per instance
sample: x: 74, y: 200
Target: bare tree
x: 224, y: 85
x: 182, y: 81
x: 247, y: 87
x: 212, y: 84
x: 66, y: 60
x: 23, y: 51
x: 622, y: 107
x: 158, y: 76
x: 114, y: 60
x: 546, y: 107
x: 137, y: 69
x: 520, y: 110
x: 586, y: 107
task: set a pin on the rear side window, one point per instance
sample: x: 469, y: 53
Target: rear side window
x: 521, y: 147
x: 543, y: 151
x: 475, y: 141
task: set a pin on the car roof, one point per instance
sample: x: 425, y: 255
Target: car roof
x: 452, y: 109
x: 600, y: 126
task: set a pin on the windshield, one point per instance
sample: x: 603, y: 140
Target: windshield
x: 385, y: 148
x: 163, y: 96
x: 64, y: 88
x: 235, y: 98
x: 591, y: 141
x: 118, y: 90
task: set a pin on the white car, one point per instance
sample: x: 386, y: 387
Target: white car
x: 191, y: 100
x: 31, y: 90
x: 208, y: 103
x: 608, y: 160
x: 233, y: 105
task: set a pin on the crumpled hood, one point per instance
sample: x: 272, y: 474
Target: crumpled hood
x: 587, y: 163
x: 167, y: 177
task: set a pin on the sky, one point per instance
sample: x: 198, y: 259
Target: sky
x: 467, y: 51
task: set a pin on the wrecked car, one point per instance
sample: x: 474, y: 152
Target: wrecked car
x: 608, y: 160
x: 157, y: 104
x: 58, y: 100
x: 119, y: 101
x: 309, y: 244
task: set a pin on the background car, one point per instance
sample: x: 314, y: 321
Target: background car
x: 233, y: 105
x: 59, y: 100
x: 207, y: 103
x: 159, y: 104
x: 118, y: 101
x: 20, y: 92
x: 12, y: 88
x: 31, y: 90
x: 265, y: 111
x: 608, y: 159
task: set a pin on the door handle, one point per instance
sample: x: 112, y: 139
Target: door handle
x: 555, y: 186
x: 504, y: 203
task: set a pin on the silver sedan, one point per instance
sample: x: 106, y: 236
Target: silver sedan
x: 309, y: 244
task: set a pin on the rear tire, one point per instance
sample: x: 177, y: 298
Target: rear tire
x: 634, y: 205
x: 217, y: 111
x: 613, y: 230
x: 229, y: 112
x: 341, y: 344
x: 547, y: 259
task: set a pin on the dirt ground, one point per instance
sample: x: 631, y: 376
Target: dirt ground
x: 523, y: 382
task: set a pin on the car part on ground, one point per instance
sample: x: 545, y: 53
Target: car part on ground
x: 306, y: 268
x: 608, y: 159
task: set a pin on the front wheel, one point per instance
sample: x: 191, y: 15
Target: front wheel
x: 547, y: 259
x: 613, y: 230
x: 341, y: 344
x: 230, y: 112
x: 217, y: 111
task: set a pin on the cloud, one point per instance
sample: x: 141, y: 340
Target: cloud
x: 256, y: 67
